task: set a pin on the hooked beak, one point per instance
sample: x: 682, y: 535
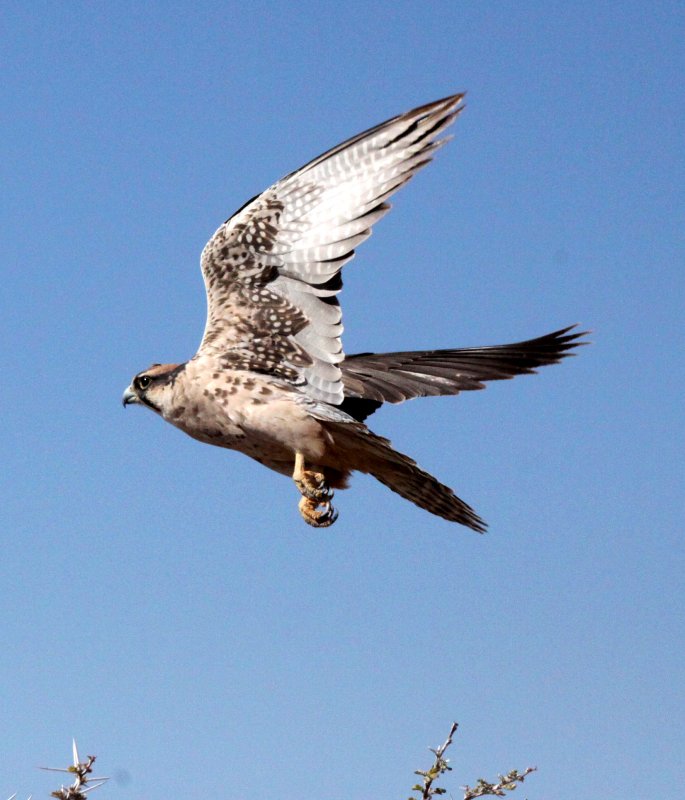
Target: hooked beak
x: 129, y: 397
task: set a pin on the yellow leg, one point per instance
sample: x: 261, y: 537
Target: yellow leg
x: 310, y: 484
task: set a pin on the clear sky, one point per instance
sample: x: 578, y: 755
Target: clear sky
x: 162, y: 600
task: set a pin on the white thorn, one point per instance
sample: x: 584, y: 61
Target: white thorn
x: 75, y: 750
x: 92, y: 786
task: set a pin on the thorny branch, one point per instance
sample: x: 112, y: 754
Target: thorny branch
x: 84, y: 782
x: 440, y: 766
x: 83, y: 779
x: 81, y: 785
x: 506, y: 783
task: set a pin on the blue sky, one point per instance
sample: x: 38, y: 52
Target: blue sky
x: 163, y: 602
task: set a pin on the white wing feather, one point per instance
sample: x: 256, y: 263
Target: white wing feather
x: 272, y: 270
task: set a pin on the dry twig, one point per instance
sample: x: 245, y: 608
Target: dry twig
x: 507, y: 783
x: 440, y: 765
x: 428, y: 789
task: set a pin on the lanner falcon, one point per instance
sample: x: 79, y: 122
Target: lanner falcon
x: 270, y: 378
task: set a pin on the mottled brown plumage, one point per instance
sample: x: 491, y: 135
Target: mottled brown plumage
x: 270, y: 378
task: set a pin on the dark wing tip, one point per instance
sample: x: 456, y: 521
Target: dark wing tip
x: 564, y: 340
x: 451, y: 100
x: 456, y: 510
x: 477, y: 524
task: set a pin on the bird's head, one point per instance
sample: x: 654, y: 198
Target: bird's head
x: 151, y: 386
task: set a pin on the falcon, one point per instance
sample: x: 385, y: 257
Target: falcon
x: 270, y: 378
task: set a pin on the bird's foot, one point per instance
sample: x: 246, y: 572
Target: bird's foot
x: 313, y: 486
x: 317, y: 517
x: 315, y: 503
x: 310, y: 484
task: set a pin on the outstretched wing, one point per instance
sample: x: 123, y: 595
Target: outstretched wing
x: 272, y: 271
x: 376, y: 378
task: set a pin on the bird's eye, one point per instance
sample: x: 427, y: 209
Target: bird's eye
x: 144, y: 381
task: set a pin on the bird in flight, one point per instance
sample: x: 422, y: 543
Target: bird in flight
x: 270, y: 378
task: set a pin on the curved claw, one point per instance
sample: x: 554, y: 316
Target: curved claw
x: 323, y: 518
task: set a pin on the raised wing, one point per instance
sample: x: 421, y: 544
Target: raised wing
x: 272, y: 271
x: 377, y: 378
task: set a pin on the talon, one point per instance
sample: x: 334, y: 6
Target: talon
x: 309, y: 509
x: 313, y: 485
x: 310, y: 484
x: 329, y: 516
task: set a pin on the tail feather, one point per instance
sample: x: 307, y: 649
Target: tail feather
x: 374, y: 455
